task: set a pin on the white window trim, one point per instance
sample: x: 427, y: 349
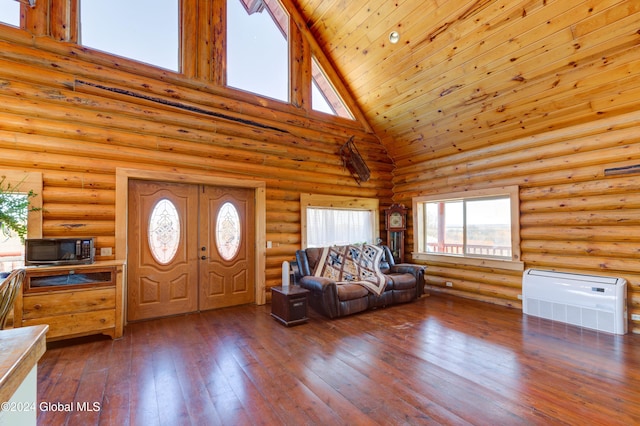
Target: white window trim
x: 515, y: 263
x: 338, y: 202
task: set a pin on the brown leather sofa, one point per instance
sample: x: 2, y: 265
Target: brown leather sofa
x: 405, y: 283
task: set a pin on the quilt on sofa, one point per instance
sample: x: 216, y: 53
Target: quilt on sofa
x: 353, y: 264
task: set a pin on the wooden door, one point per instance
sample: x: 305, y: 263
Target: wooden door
x: 162, y: 255
x: 200, y: 253
x: 227, y: 245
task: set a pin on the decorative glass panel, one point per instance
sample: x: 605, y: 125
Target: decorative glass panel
x: 228, y: 231
x: 164, y: 231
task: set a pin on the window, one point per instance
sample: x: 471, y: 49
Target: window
x: 164, y: 231
x: 11, y: 246
x: 228, y: 231
x: 339, y: 227
x: 17, y: 185
x: 10, y: 12
x: 475, y: 224
x: 333, y: 220
x: 324, y: 97
x: 143, y: 30
x: 258, y: 48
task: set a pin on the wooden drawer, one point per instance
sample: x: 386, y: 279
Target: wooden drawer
x: 65, y: 302
x: 76, y: 324
x: 68, y: 279
x: 74, y: 300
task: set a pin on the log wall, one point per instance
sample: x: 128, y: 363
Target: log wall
x: 78, y: 115
x: 574, y: 216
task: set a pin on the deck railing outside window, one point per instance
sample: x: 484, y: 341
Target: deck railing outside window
x: 472, y: 250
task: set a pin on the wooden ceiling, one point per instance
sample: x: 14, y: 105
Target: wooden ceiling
x: 467, y: 74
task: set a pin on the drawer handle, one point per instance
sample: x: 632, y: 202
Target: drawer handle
x: 295, y: 305
x: 37, y: 306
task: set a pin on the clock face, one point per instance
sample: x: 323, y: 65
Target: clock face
x: 395, y: 220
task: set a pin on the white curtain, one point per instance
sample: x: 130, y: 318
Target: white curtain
x: 329, y: 227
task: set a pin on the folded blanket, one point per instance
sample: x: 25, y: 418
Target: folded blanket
x: 353, y: 264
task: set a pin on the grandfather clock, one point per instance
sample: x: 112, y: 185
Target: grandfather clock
x: 396, y: 224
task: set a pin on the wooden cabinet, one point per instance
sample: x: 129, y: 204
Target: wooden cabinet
x: 74, y: 300
x: 21, y: 350
x: 289, y: 304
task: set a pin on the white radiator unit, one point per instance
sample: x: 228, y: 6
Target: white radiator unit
x: 590, y: 301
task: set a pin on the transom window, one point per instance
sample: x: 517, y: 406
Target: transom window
x: 143, y: 30
x: 479, y: 224
x: 10, y: 12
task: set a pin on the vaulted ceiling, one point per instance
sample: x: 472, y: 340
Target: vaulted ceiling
x: 471, y: 73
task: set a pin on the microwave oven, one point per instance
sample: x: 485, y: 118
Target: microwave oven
x: 58, y: 251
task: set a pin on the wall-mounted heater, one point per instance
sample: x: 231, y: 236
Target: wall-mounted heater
x: 590, y: 301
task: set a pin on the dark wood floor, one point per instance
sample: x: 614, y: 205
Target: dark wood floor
x: 439, y: 360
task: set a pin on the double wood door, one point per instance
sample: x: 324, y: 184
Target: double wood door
x: 190, y: 248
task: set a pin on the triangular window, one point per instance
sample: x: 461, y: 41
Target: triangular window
x: 257, y: 47
x: 324, y: 97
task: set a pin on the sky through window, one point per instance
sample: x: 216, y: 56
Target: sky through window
x: 10, y: 12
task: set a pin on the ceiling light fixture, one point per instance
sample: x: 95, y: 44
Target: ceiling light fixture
x: 394, y: 36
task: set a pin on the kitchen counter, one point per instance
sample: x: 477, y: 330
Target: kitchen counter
x: 20, y: 351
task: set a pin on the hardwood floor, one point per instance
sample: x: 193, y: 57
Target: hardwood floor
x: 439, y: 360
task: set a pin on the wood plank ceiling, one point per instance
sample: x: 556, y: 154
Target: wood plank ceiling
x: 467, y: 74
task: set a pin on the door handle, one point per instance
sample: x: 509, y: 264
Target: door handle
x: 204, y: 257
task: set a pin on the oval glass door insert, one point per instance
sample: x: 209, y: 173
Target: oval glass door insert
x: 164, y: 231
x: 228, y: 231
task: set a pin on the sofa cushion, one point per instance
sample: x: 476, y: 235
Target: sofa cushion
x: 351, y: 291
x: 402, y: 281
x: 313, y: 255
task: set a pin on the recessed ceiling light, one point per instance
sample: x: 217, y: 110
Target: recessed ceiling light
x: 394, y: 36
